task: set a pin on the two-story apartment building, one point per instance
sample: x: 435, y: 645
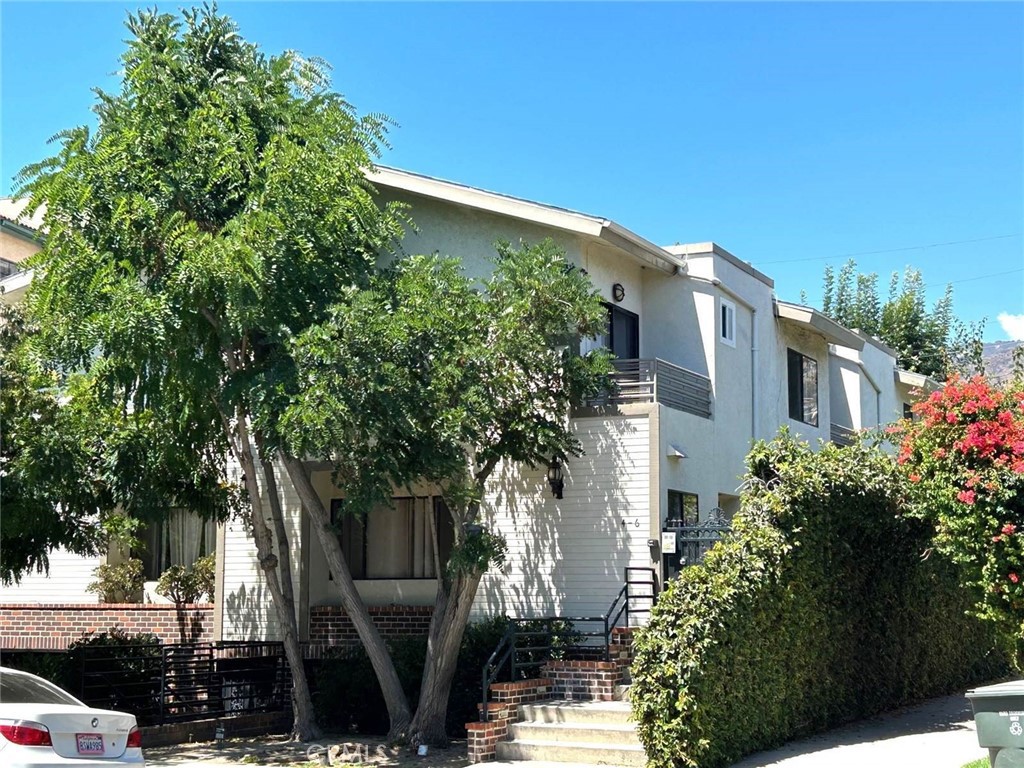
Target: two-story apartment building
x: 708, y: 361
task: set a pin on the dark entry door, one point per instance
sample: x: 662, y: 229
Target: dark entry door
x: 624, y: 333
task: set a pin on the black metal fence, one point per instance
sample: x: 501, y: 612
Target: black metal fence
x: 175, y: 683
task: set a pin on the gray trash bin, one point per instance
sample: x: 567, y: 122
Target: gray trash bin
x: 999, y: 719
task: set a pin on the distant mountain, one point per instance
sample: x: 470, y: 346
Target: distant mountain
x: 998, y: 358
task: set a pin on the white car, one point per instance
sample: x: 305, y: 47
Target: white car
x: 42, y: 726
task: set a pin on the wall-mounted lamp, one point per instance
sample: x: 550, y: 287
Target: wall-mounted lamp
x: 555, y: 478
x: 618, y: 292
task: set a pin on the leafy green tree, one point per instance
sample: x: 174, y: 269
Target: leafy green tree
x: 211, y: 264
x: 425, y: 377
x: 77, y: 467
x: 931, y: 342
x: 217, y: 211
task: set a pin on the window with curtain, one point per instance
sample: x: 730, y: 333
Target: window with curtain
x: 179, y: 539
x: 395, y: 542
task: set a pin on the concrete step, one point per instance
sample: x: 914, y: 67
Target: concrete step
x: 617, y: 734
x: 586, y: 712
x: 622, y: 692
x: 570, y: 752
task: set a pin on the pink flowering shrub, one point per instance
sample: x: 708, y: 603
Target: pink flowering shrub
x: 963, y: 454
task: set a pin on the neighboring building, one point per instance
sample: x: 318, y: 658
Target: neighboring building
x: 709, y: 360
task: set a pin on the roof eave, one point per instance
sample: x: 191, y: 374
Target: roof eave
x: 916, y: 380
x: 814, y: 321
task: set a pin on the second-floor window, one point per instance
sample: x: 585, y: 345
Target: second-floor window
x: 803, y: 387
x: 727, y: 322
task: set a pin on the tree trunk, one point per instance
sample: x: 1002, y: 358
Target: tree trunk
x: 369, y: 635
x: 447, y: 626
x: 304, y: 723
x: 300, y: 686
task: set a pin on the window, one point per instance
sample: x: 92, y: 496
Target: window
x: 181, y: 538
x: 803, y: 388
x: 682, y: 509
x: 908, y: 411
x: 727, y: 322
x: 395, y: 542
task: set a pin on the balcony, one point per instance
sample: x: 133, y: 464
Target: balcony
x: 657, y: 381
x: 841, y: 435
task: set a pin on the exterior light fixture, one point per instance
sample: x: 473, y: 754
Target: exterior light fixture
x: 618, y: 292
x: 555, y: 478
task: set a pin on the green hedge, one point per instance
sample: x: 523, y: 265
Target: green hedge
x: 822, y: 606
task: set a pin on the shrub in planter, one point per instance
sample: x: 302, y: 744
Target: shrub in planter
x: 117, y: 670
x: 187, y: 585
x: 817, y: 609
x: 118, y: 583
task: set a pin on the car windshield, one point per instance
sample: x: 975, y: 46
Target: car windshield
x: 22, y: 689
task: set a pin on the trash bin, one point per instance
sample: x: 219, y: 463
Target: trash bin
x: 999, y: 719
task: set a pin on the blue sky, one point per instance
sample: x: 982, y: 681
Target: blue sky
x: 792, y: 134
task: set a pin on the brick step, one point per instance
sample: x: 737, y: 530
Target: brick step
x: 617, y: 734
x: 572, y: 752
x: 577, y: 712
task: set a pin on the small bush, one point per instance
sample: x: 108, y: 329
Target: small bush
x: 116, y: 670
x: 186, y: 585
x: 347, y: 697
x: 53, y: 666
x: 817, y: 609
x: 120, y: 583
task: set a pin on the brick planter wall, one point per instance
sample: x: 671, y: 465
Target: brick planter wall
x: 53, y: 627
x: 584, y: 680
x: 621, y: 648
x: 482, y: 738
x: 206, y: 730
x: 329, y: 625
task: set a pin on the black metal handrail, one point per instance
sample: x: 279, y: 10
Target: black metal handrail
x: 520, y: 650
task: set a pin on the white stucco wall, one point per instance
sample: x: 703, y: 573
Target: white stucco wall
x: 814, y: 346
x: 69, y: 575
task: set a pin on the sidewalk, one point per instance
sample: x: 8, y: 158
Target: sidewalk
x: 937, y: 734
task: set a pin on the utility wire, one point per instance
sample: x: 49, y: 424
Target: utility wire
x: 890, y: 250
x: 977, y: 277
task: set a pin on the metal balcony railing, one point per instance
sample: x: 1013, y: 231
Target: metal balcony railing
x: 658, y: 381
x: 841, y: 435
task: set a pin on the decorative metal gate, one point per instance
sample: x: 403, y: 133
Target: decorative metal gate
x: 693, y: 541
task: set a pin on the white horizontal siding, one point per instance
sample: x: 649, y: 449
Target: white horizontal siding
x: 69, y: 575
x: 567, y: 556
x: 248, y: 610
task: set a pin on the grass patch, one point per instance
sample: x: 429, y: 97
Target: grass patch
x: 981, y: 762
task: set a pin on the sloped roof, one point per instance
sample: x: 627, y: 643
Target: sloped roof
x: 563, y: 219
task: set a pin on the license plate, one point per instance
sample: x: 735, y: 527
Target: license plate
x: 89, y: 743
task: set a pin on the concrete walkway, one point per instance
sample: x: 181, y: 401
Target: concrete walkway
x: 937, y: 734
